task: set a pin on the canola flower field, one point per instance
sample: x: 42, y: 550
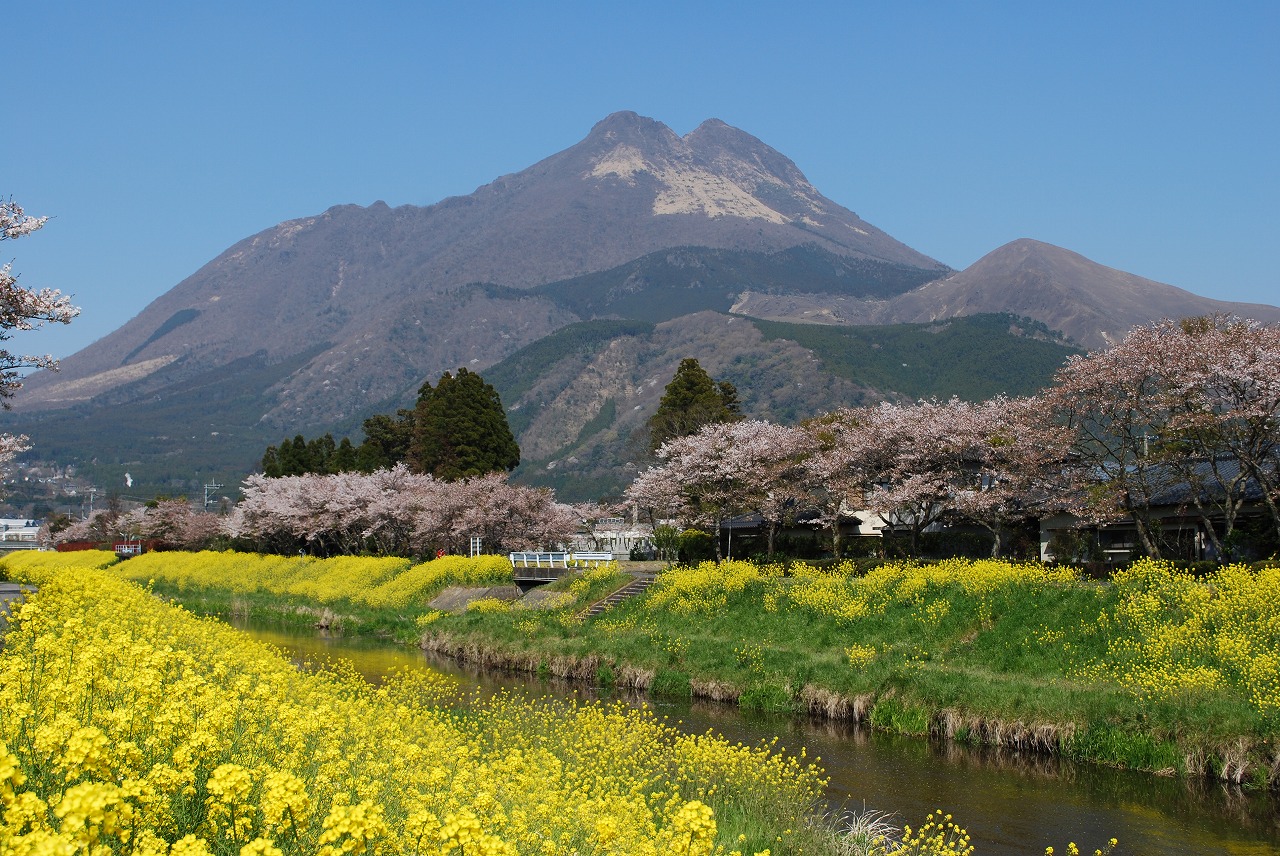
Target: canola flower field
x: 1154, y: 670
x: 374, y: 582
x: 131, y: 726
x: 359, y: 595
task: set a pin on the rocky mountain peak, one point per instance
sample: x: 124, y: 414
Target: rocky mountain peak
x: 714, y: 171
x: 629, y: 128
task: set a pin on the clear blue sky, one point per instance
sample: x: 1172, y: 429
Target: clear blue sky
x: 1145, y: 136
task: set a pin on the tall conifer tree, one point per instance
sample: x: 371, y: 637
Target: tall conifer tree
x: 690, y: 401
x: 460, y: 429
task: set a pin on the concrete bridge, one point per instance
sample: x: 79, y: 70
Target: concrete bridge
x: 530, y: 569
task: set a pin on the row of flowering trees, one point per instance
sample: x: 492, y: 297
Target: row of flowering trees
x: 397, y: 512
x: 1193, y: 403
x: 913, y: 465
x: 173, y: 522
x: 387, y: 512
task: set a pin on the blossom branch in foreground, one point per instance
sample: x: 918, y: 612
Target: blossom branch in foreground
x: 23, y: 309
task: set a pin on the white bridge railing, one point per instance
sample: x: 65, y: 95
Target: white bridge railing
x: 558, y: 559
x: 526, y: 564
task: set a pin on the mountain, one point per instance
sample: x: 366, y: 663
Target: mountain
x: 386, y: 290
x: 575, y: 286
x: 1092, y: 304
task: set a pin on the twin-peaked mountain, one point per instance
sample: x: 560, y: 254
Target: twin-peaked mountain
x: 635, y: 248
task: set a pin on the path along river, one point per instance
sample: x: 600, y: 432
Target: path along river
x: 1009, y: 804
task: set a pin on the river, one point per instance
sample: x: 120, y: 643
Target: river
x: 1010, y: 804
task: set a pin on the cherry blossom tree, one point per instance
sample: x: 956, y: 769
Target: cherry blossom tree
x: 1222, y: 379
x: 924, y: 456
x: 1116, y: 404
x: 1018, y: 465
x: 841, y: 468
x: 508, y: 516
x: 777, y: 488
x: 711, y: 469
x: 395, y: 512
x: 101, y: 526
x: 719, y: 471
x: 173, y: 522
x: 912, y: 464
x: 656, y: 495
x: 23, y: 309
x: 1192, y: 404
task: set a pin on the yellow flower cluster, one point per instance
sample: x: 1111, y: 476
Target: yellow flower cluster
x: 1175, y: 633
x: 705, y: 588
x: 937, y: 836
x: 840, y: 594
x: 22, y: 565
x: 425, y: 580
x: 377, y: 582
x: 860, y: 656
x: 488, y: 605
x: 586, y: 579
x: 130, y: 726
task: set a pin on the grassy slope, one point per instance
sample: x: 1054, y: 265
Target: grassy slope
x: 221, y: 445
x: 974, y: 357
x: 681, y: 281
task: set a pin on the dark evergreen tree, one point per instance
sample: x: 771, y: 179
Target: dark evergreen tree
x: 460, y: 429
x: 293, y: 457
x: 729, y: 398
x: 386, y: 441
x: 297, y: 457
x: 690, y: 401
x: 271, y: 463
x: 320, y: 455
x: 457, y: 429
x: 344, y: 457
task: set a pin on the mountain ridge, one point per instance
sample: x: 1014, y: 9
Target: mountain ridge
x: 350, y: 274
x: 1091, y: 303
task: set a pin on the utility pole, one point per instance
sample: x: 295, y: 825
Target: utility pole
x: 209, y: 491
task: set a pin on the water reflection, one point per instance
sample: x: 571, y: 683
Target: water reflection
x: 1011, y: 802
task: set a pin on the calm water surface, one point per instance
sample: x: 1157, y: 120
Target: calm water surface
x: 1009, y: 803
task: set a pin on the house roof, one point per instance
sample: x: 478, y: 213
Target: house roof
x: 1203, y: 484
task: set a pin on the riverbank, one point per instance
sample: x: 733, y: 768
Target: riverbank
x: 1157, y: 672
x: 1132, y: 675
